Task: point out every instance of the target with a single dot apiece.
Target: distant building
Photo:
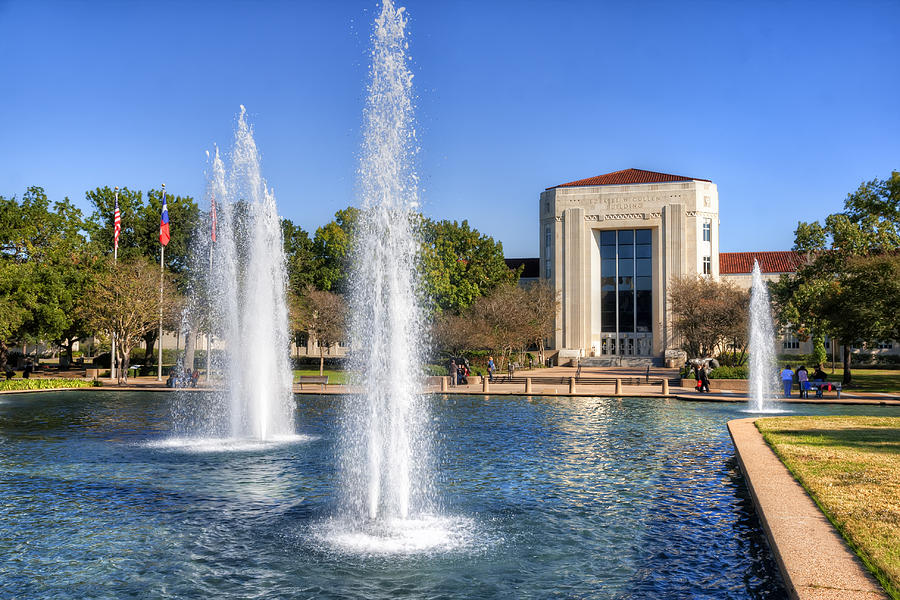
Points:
(609, 245)
(531, 269)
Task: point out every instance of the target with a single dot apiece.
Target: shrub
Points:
(720, 373)
(741, 372)
(43, 384)
(436, 370)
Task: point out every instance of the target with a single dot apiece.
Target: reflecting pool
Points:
(541, 498)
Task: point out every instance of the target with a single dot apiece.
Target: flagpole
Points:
(112, 353)
(162, 254)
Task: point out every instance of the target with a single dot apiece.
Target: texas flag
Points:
(164, 223)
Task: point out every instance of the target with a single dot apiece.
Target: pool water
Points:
(539, 498)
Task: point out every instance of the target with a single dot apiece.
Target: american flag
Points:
(117, 225)
(213, 217)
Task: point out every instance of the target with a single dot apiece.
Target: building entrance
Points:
(626, 292)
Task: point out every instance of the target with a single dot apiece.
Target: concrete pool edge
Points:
(814, 560)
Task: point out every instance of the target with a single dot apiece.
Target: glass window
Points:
(626, 311)
(547, 269)
(608, 267)
(548, 238)
(707, 265)
(707, 230)
(608, 320)
(626, 284)
(642, 267)
(644, 311)
(790, 342)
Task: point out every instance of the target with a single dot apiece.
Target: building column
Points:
(673, 247)
(574, 288)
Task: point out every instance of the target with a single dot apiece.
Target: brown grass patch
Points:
(851, 468)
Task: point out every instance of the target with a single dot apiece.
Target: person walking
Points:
(704, 378)
(787, 378)
(490, 369)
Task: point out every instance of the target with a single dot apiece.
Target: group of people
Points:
(701, 374)
(183, 379)
(459, 372)
(803, 378)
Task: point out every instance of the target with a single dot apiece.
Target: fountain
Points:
(385, 441)
(244, 284)
(763, 366)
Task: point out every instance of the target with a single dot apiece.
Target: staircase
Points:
(623, 361)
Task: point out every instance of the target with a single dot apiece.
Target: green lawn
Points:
(339, 377)
(872, 380)
(851, 468)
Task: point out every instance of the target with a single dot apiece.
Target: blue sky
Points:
(786, 106)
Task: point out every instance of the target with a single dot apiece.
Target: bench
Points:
(314, 379)
(816, 386)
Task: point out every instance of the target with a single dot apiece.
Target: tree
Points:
(844, 286)
(541, 307)
(298, 252)
(459, 265)
(124, 300)
(139, 236)
(332, 248)
(323, 315)
(47, 264)
(709, 316)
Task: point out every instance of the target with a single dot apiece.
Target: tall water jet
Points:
(386, 443)
(763, 364)
(258, 373)
(245, 280)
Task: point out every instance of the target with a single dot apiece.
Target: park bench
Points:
(314, 379)
(815, 386)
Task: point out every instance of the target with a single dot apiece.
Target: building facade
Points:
(609, 245)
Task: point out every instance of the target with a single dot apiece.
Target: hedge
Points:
(45, 384)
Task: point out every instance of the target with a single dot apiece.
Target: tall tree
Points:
(140, 218)
(844, 287)
(298, 251)
(709, 316)
(459, 265)
(321, 314)
(124, 301)
(332, 247)
(45, 257)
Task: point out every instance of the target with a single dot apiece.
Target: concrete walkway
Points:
(643, 390)
(814, 560)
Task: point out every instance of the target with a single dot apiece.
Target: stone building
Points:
(610, 244)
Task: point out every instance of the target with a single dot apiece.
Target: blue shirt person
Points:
(787, 378)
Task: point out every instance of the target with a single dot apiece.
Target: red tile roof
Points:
(625, 177)
(733, 263)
